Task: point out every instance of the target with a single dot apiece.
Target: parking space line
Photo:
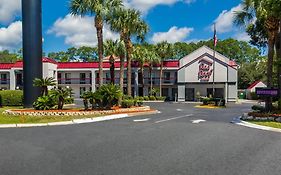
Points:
(161, 121)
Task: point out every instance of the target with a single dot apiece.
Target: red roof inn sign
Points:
(267, 92)
(205, 70)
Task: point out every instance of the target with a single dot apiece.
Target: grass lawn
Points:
(267, 123)
(9, 119)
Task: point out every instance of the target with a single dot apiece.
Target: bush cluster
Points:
(11, 98)
(215, 101)
(153, 98)
(258, 108)
(129, 101)
(106, 96)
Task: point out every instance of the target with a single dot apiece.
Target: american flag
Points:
(215, 36)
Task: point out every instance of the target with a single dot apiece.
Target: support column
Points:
(181, 93)
(12, 80)
(32, 48)
(93, 72)
(136, 84)
(226, 92)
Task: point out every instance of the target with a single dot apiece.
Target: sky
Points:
(169, 20)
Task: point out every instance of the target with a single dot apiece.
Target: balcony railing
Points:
(4, 81)
(156, 80)
(75, 81)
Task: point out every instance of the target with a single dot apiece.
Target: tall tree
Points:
(101, 9)
(265, 11)
(128, 23)
(151, 58)
(139, 55)
(7, 57)
(114, 49)
(165, 51)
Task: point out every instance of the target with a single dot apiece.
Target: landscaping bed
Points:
(74, 112)
(30, 119)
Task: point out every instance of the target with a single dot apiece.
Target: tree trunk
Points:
(278, 51)
(129, 47)
(271, 42)
(112, 76)
(161, 76)
(46, 90)
(150, 72)
(99, 27)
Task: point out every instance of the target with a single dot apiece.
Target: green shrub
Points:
(258, 108)
(139, 103)
(146, 98)
(11, 97)
(141, 98)
(127, 103)
(160, 98)
(127, 97)
(135, 101)
(69, 100)
(108, 95)
(206, 101)
(44, 103)
(152, 98)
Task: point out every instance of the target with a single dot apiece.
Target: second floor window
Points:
(67, 78)
(3, 78)
(82, 78)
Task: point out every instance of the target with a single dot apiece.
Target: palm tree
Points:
(110, 50)
(61, 94)
(265, 11)
(139, 55)
(151, 58)
(114, 49)
(44, 83)
(101, 9)
(165, 51)
(128, 23)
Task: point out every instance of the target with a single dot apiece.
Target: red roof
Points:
(232, 63)
(254, 84)
(6, 65)
(49, 60)
(85, 65)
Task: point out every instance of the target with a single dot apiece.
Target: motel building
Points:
(183, 80)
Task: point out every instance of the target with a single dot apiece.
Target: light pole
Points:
(32, 48)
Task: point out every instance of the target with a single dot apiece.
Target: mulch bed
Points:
(77, 112)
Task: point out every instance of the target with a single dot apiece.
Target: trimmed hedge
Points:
(11, 98)
(127, 103)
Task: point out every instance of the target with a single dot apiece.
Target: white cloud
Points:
(174, 34)
(224, 21)
(11, 37)
(146, 5)
(79, 31)
(9, 9)
(242, 36)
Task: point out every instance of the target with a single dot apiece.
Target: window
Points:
(67, 78)
(82, 90)
(167, 77)
(59, 78)
(82, 78)
(4, 79)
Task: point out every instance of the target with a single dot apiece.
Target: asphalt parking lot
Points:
(179, 140)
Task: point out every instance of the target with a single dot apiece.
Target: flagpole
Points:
(214, 56)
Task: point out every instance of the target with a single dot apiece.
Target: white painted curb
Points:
(238, 121)
(73, 122)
